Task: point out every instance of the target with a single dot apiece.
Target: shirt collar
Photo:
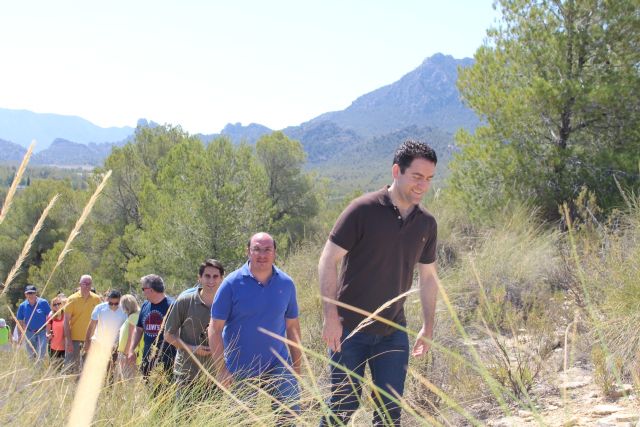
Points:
(246, 271)
(383, 196)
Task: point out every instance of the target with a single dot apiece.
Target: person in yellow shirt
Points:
(77, 316)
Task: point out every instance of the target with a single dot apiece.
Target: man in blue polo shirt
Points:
(32, 316)
(257, 297)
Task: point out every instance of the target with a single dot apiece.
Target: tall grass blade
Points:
(16, 181)
(27, 245)
(76, 229)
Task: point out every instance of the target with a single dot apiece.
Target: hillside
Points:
(22, 126)
(423, 104)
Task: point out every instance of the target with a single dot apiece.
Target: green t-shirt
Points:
(4, 335)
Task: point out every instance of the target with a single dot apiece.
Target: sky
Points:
(203, 64)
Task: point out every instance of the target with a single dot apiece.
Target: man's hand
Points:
(202, 350)
(224, 377)
(131, 357)
(332, 332)
(422, 345)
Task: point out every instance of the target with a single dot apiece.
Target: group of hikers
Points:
(243, 327)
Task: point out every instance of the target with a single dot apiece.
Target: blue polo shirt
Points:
(246, 305)
(40, 310)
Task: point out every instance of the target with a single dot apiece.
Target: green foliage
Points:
(173, 202)
(558, 87)
(292, 193)
(607, 369)
(28, 206)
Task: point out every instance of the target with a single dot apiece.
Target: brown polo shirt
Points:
(382, 252)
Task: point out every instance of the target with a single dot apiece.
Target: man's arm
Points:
(217, 351)
(135, 335)
(328, 277)
(68, 343)
(87, 338)
(293, 334)
(21, 329)
(429, 284)
(176, 341)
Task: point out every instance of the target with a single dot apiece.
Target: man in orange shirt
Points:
(76, 322)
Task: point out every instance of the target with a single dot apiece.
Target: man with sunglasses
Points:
(150, 325)
(106, 319)
(77, 316)
(186, 328)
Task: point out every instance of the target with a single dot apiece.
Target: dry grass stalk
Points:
(76, 229)
(27, 245)
(16, 180)
(365, 381)
(91, 381)
(444, 396)
(375, 315)
(23, 333)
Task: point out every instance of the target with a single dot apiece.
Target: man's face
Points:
(113, 303)
(262, 253)
(211, 278)
(147, 291)
(85, 285)
(414, 183)
(31, 297)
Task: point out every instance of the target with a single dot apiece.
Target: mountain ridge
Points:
(424, 98)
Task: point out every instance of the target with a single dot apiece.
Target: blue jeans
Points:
(387, 357)
(39, 343)
(282, 385)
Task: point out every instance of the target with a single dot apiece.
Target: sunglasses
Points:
(114, 303)
(145, 288)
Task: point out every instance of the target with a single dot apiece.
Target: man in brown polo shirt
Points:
(380, 238)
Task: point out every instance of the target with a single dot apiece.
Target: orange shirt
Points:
(57, 332)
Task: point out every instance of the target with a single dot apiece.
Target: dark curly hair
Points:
(412, 149)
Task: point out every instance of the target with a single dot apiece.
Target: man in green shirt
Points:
(186, 326)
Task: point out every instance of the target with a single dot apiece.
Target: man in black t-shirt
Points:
(380, 238)
(150, 326)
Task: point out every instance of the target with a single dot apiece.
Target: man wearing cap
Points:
(32, 316)
(5, 332)
(106, 319)
(150, 325)
(253, 304)
(77, 316)
(187, 325)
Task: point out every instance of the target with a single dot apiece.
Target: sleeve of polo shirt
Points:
(68, 309)
(47, 307)
(221, 307)
(176, 316)
(140, 319)
(292, 308)
(348, 228)
(429, 251)
(20, 313)
(94, 312)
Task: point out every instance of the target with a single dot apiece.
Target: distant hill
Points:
(22, 126)
(427, 96)
(67, 153)
(423, 104)
(10, 152)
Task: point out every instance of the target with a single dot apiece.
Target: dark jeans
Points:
(283, 387)
(387, 357)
